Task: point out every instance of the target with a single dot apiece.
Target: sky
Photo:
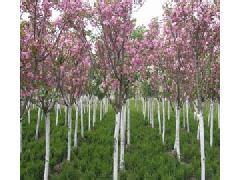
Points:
(150, 9)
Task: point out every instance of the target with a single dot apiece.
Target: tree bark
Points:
(128, 122)
(89, 114)
(122, 135)
(69, 132)
(38, 122)
(57, 108)
(163, 131)
(82, 126)
(115, 153)
(187, 115)
(76, 128)
(159, 118)
(177, 137)
(47, 142)
(211, 123)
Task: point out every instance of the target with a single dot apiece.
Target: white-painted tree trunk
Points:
(177, 136)
(184, 116)
(211, 123)
(202, 150)
(122, 137)
(128, 122)
(38, 122)
(152, 111)
(101, 109)
(29, 115)
(168, 110)
(65, 112)
(89, 114)
(187, 115)
(47, 142)
(163, 131)
(57, 108)
(198, 130)
(115, 153)
(82, 127)
(94, 111)
(69, 132)
(76, 128)
(148, 111)
(159, 117)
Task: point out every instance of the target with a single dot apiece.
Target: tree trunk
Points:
(115, 153)
(187, 106)
(184, 116)
(128, 122)
(201, 122)
(47, 142)
(76, 128)
(122, 135)
(29, 115)
(94, 111)
(89, 114)
(57, 108)
(177, 137)
(159, 118)
(211, 123)
(168, 110)
(69, 132)
(82, 127)
(152, 112)
(163, 131)
(101, 109)
(65, 110)
(38, 122)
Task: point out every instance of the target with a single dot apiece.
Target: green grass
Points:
(146, 157)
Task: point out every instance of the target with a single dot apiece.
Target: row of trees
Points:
(97, 51)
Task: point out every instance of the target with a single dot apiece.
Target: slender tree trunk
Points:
(184, 116)
(76, 128)
(101, 109)
(47, 142)
(198, 130)
(168, 110)
(115, 153)
(201, 122)
(148, 106)
(94, 111)
(128, 122)
(163, 131)
(38, 122)
(69, 132)
(57, 108)
(211, 124)
(89, 114)
(187, 115)
(65, 110)
(29, 115)
(177, 137)
(159, 118)
(122, 139)
(209, 114)
(152, 112)
(82, 127)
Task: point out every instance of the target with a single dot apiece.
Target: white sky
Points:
(150, 9)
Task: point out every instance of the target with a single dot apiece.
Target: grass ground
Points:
(146, 158)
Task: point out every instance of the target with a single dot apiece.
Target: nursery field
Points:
(146, 157)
